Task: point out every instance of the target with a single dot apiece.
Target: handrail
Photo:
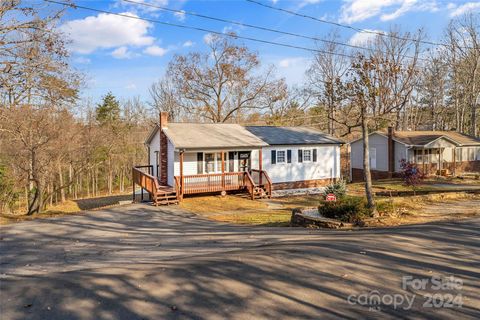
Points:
(178, 188)
(145, 180)
(262, 174)
(252, 185)
(149, 166)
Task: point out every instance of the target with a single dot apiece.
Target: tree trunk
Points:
(366, 168)
(70, 182)
(60, 181)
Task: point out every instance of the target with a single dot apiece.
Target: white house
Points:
(199, 157)
(433, 152)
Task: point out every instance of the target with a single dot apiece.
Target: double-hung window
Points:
(281, 157)
(307, 155)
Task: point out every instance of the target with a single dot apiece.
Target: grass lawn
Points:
(277, 211)
(241, 210)
(431, 184)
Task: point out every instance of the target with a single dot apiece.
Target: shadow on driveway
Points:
(141, 262)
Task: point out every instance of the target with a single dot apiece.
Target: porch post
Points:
(454, 161)
(440, 160)
(223, 170)
(423, 160)
(260, 165)
(181, 174)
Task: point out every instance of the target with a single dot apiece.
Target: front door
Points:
(244, 160)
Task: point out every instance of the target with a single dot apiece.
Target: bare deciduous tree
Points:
(224, 83)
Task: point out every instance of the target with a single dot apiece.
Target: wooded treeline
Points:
(55, 146)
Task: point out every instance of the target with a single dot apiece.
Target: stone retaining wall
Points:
(301, 219)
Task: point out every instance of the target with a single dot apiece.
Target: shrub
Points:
(346, 209)
(339, 189)
(411, 175)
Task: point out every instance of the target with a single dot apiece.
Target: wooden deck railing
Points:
(249, 184)
(201, 183)
(144, 180)
(204, 183)
(178, 188)
(261, 178)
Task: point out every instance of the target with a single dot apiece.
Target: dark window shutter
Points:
(314, 156)
(274, 156)
(200, 163)
(289, 156)
(300, 155)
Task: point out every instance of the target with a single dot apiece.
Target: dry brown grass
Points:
(68, 207)
(277, 211)
(431, 184)
(238, 210)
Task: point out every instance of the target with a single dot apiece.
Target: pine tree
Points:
(109, 110)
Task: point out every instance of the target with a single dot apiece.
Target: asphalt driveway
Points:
(142, 262)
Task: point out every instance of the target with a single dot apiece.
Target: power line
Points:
(200, 29)
(245, 24)
(346, 26)
(256, 27)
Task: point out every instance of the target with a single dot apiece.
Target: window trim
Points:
(284, 156)
(310, 155)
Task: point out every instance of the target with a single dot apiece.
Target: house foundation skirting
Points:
(302, 184)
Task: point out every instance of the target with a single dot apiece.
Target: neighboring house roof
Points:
(423, 138)
(420, 138)
(292, 135)
(152, 134)
(210, 135)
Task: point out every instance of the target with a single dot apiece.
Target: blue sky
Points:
(125, 55)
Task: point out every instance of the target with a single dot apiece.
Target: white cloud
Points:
(362, 38)
(359, 10)
(188, 43)
(155, 51)
(121, 53)
(82, 60)
(131, 86)
(291, 62)
(180, 15)
(464, 8)
(291, 68)
(107, 31)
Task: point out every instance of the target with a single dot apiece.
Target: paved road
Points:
(141, 262)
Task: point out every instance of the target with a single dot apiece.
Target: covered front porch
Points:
(441, 161)
(216, 170)
(205, 171)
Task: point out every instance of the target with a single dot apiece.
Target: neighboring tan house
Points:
(201, 158)
(433, 152)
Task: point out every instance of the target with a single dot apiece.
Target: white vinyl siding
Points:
(377, 141)
(327, 165)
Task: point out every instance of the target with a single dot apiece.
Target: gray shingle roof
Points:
(425, 137)
(292, 135)
(211, 135)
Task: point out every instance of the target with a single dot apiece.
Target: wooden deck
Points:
(257, 184)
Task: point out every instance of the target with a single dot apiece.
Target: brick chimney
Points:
(163, 169)
(391, 152)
